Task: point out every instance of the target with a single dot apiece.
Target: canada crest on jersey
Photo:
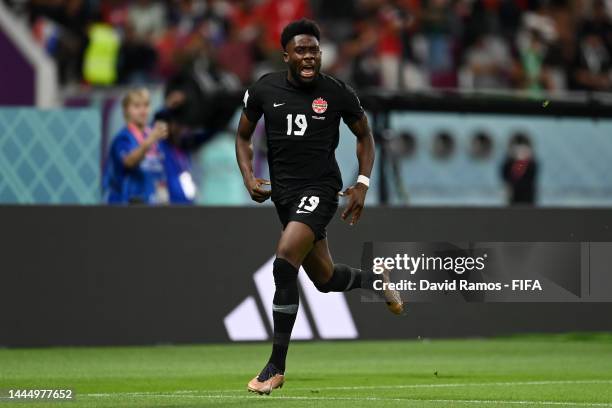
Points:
(319, 105)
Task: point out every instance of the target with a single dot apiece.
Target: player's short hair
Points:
(303, 26)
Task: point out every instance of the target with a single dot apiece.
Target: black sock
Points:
(284, 310)
(343, 279)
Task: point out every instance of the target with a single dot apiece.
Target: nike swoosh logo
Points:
(276, 105)
(302, 212)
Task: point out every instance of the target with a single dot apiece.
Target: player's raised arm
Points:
(365, 155)
(244, 156)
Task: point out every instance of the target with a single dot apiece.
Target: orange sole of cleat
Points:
(258, 392)
(262, 392)
(267, 392)
(396, 308)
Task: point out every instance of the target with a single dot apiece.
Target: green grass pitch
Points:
(526, 371)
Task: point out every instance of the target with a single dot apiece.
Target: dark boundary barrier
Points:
(382, 101)
(110, 276)
(586, 106)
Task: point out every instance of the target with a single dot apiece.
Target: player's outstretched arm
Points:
(365, 155)
(244, 156)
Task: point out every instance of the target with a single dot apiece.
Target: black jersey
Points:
(302, 129)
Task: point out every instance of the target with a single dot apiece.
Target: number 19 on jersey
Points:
(300, 123)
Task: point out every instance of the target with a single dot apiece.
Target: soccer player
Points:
(302, 108)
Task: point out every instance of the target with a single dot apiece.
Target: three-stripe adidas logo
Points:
(328, 311)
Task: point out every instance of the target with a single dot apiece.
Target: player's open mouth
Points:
(307, 72)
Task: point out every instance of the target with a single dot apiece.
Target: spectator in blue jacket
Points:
(134, 172)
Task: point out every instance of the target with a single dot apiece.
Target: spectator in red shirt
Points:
(274, 15)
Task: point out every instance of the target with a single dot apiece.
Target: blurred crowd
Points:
(532, 45)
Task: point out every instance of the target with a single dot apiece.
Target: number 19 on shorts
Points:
(300, 123)
(307, 204)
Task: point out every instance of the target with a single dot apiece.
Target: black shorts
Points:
(314, 208)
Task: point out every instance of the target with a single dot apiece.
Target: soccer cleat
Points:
(269, 379)
(392, 297)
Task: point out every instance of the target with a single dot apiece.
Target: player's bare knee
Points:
(289, 255)
(283, 251)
